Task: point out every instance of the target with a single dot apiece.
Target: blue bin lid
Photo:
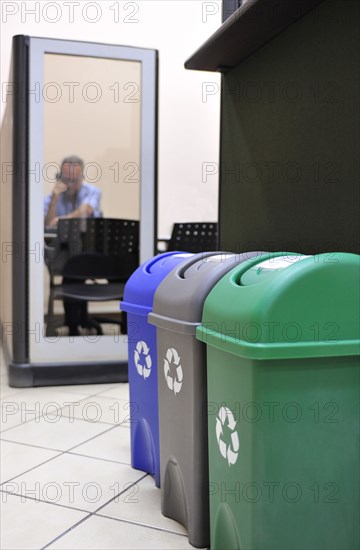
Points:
(141, 286)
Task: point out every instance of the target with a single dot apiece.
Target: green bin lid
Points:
(289, 306)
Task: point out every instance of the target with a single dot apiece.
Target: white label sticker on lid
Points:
(281, 262)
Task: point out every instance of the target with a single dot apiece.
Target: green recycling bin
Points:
(282, 341)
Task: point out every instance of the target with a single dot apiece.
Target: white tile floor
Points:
(66, 479)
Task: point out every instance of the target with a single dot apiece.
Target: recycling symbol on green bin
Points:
(226, 418)
(142, 358)
(173, 358)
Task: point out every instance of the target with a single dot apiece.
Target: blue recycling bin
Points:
(143, 377)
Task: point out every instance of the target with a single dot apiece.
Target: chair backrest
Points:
(117, 239)
(194, 237)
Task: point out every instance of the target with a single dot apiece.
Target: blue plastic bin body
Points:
(143, 376)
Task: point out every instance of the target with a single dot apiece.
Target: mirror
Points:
(98, 102)
(92, 109)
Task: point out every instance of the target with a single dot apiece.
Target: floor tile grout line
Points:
(61, 452)
(66, 531)
(122, 424)
(30, 469)
(98, 394)
(57, 456)
(37, 418)
(90, 439)
(95, 512)
(54, 388)
(146, 525)
(100, 458)
(32, 445)
(119, 520)
(142, 525)
(60, 408)
(27, 444)
(121, 492)
(81, 419)
(24, 497)
(83, 398)
(126, 401)
(20, 495)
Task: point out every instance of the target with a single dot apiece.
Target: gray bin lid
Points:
(180, 297)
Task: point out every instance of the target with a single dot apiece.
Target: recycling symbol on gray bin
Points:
(142, 358)
(173, 358)
(230, 452)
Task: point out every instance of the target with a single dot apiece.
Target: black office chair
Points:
(95, 257)
(194, 237)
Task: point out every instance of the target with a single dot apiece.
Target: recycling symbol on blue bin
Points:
(226, 418)
(173, 358)
(142, 359)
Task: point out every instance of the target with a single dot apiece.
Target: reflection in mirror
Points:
(92, 120)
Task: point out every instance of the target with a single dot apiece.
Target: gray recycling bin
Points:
(177, 311)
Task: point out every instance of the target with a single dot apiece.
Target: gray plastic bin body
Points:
(177, 311)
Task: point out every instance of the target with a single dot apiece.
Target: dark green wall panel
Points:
(290, 139)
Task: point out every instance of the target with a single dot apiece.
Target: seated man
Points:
(71, 197)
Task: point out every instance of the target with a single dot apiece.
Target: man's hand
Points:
(59, 187)
(51, 219)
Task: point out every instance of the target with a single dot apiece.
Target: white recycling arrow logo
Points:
(173, 358)
(142, 359)
(229, 452)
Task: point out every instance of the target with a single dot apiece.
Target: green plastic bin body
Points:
(283, 405)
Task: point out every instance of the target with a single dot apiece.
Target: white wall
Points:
(188, 122)
(117, 138)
